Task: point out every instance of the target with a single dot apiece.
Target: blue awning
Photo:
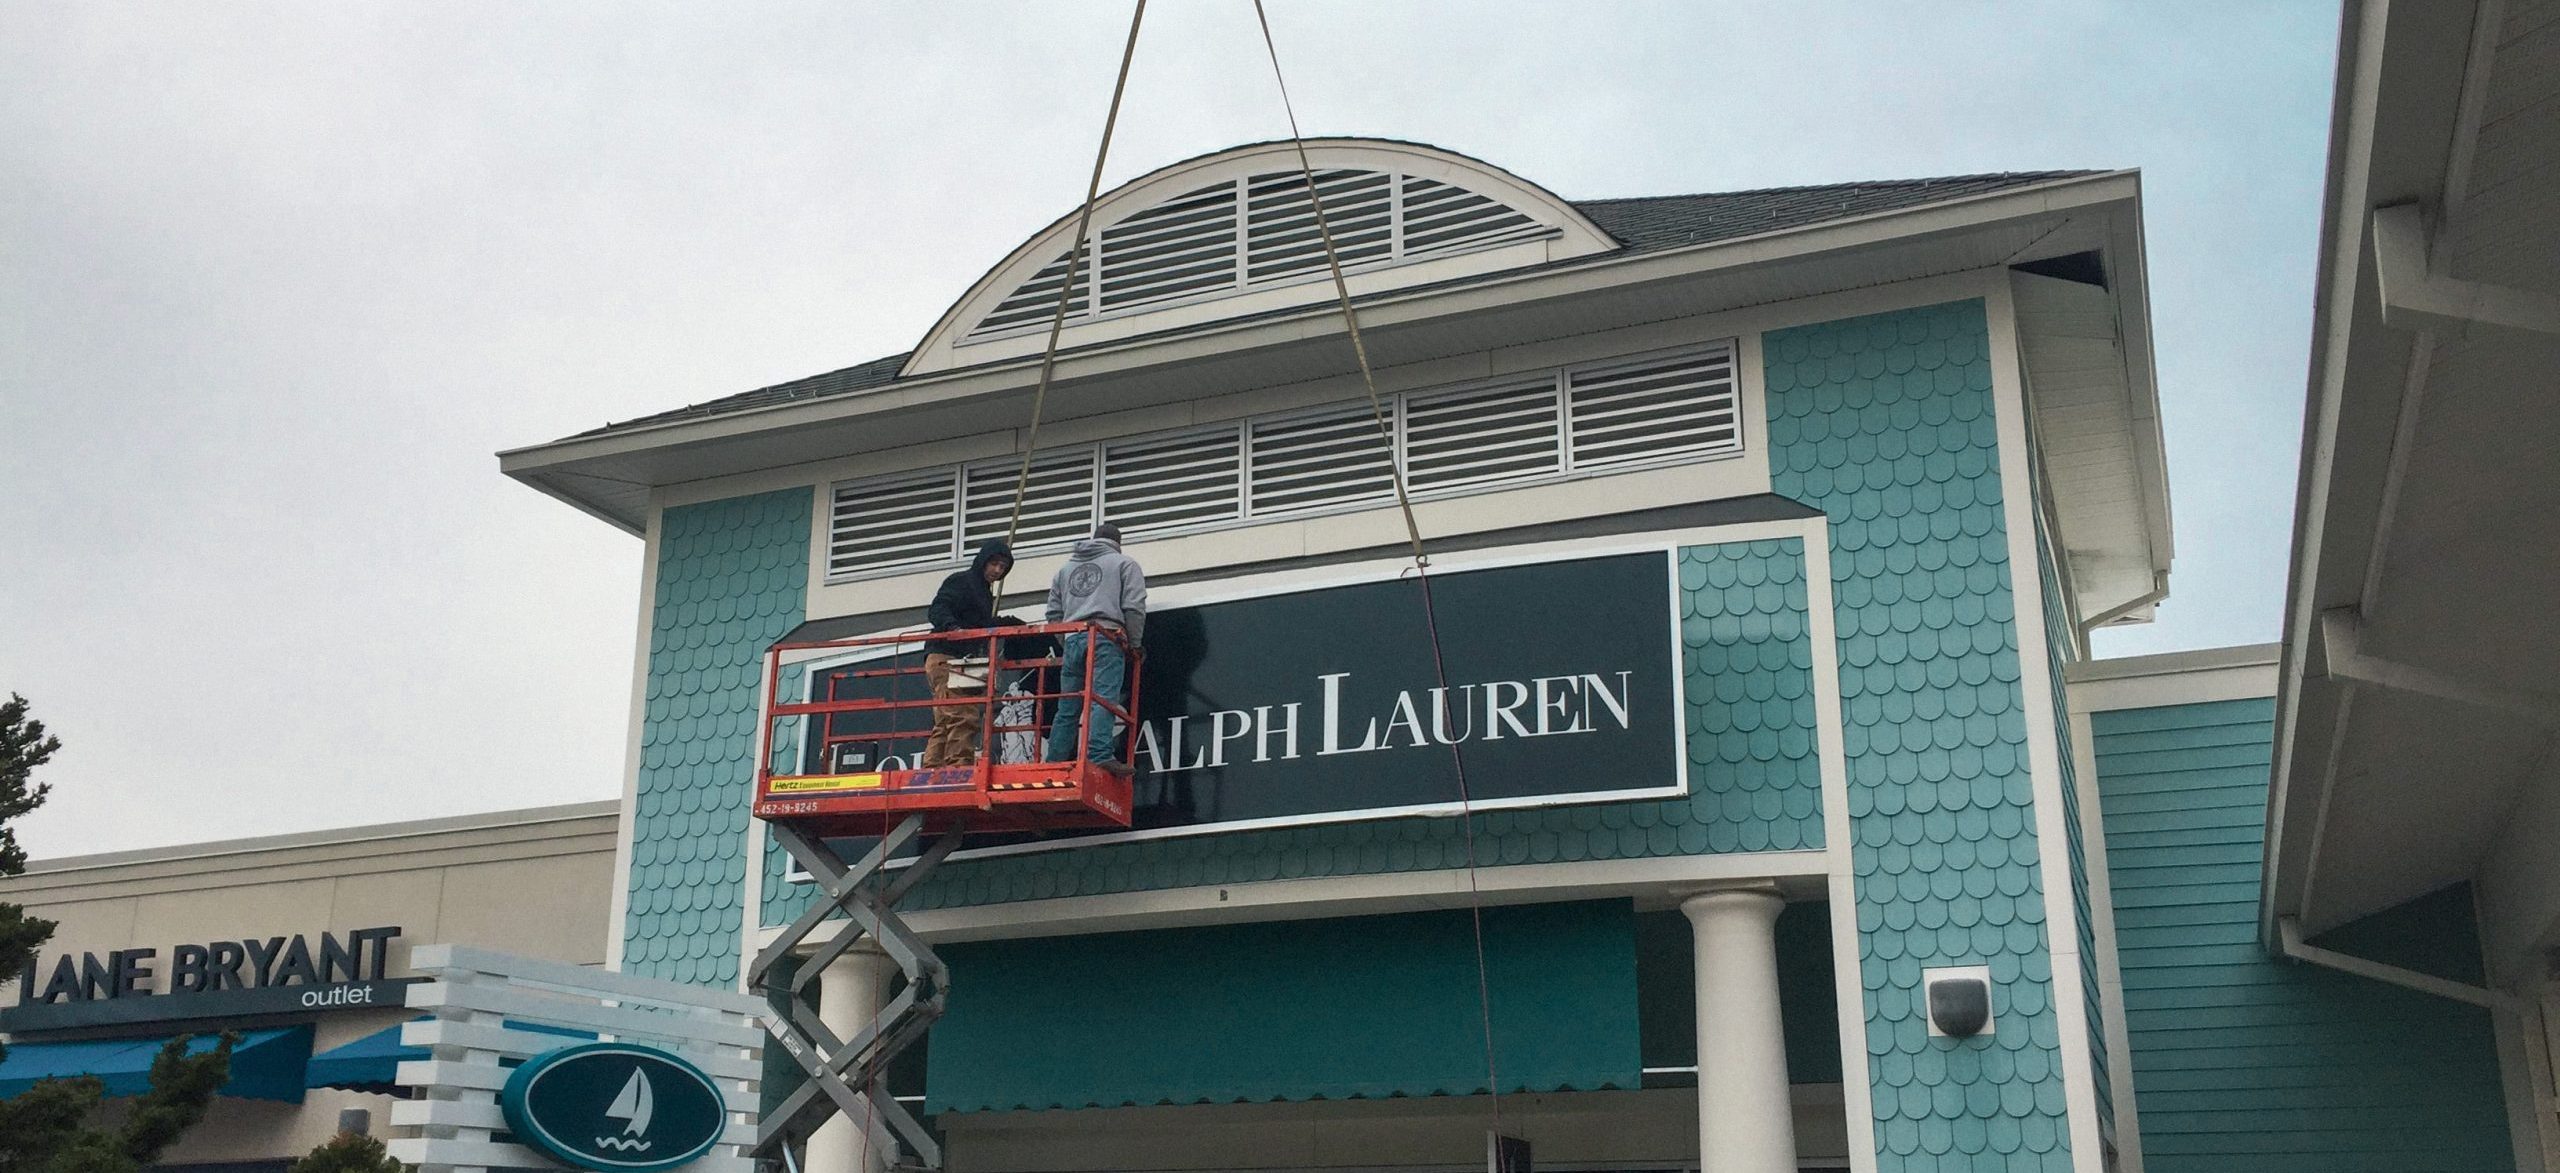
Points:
(372, 1063)
(266, 1065)
(369, 1064)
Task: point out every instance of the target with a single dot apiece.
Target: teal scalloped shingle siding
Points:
(731, 578)
(1754, 783)
(1885, 423)
(2246, 1063)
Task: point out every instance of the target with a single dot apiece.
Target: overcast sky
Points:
(277, 280)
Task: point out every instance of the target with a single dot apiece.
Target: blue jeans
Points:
(1110, 674)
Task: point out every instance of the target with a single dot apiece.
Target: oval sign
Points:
(614, 1106)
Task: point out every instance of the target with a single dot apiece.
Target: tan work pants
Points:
(954, 741)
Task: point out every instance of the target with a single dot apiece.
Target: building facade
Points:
(1833, 432)
(1771, 528)
(1745, 724)
(298, 942)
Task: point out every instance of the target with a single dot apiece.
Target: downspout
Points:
(2159, 590)
(2289, 932)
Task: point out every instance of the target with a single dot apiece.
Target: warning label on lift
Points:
(808, 783)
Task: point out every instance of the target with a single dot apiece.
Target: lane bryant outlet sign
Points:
(1323, 704)
(215, 979)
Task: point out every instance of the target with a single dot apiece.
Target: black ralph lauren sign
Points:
(1558, 681)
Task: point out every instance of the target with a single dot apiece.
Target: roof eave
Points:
(541, 465)
(2388, 57)
(2151, 452)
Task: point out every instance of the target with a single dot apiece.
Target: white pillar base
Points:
(850, 992)
(1746, 1118)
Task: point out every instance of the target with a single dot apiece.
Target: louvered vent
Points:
(1174, 481)
(1682, 404)
(1057, 505)
(1332, 457)
(1487, 434)
(1183, 246)
(1439, 218)
(1037, 299)
(1538, 427)
(903, 521)
(1282, 238)
(1241, 233)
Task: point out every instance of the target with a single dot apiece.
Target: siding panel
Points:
(1886, 424)
(2240, 1060)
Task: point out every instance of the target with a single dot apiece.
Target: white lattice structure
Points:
(479, 999)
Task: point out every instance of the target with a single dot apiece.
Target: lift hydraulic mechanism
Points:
(839, 786)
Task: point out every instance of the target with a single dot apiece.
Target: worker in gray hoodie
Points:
(1104, 586)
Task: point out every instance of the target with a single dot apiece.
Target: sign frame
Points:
(531, 1130)
(1667, 544)
(266, 1001)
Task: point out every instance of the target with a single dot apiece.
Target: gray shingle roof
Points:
(1642, 224)
(1648, 223)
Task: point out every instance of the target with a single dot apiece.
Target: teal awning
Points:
(369, 1064)
(372, 1063)
(1295, 1010)
(266, 1065)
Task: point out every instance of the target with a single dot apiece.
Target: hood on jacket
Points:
(993, 549)
(1092, 548)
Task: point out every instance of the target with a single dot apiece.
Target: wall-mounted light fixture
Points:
(1959, 1000)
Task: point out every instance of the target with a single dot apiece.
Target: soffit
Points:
(2098, 435)
(2429, 496)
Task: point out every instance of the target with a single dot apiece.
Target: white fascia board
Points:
(2174, 678)
(2070, 195)
(2132, 278)
(2334, 291)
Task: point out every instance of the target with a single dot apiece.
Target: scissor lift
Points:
(847, 780)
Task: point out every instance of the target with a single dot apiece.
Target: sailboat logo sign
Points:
(633, 1108)
(614, 1107)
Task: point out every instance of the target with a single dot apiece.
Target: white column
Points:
(850, 991)
(1746, 1123)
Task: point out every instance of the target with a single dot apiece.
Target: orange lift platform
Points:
(840, 773)
(869, 699)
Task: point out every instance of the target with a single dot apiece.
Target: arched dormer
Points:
(1233, 233)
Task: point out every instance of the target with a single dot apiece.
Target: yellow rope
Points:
(1342, 291)
(1067, 286)
(1421, 561)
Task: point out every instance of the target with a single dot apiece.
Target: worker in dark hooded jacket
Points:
(1103, 586)
(965, 602)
